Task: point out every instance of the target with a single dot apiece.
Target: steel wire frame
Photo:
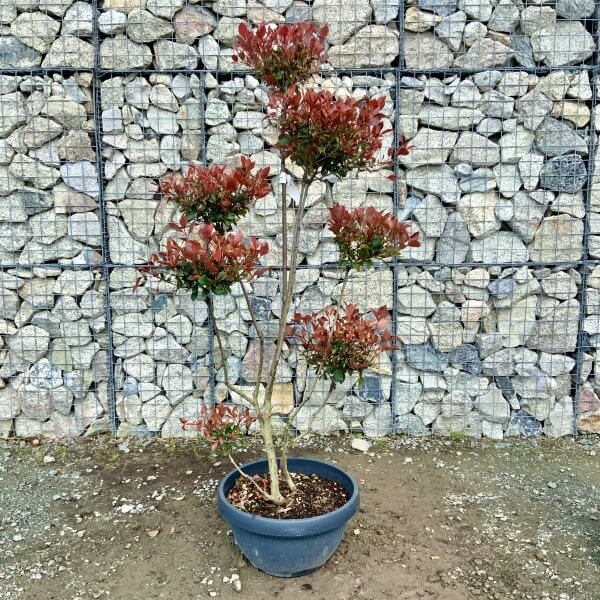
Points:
(583, 265)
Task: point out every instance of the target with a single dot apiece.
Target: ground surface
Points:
(439, 520)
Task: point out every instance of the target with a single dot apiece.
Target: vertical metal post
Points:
(395, 263)
(584, 269)
(212, 373)
(106, 261)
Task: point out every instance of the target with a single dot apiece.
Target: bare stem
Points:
(284, 227)
(287, 296)
(344, 284)
(285, 471)
(262, 492)
(311, 419)
(261, 344)
(231, 386)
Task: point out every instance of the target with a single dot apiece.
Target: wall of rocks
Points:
(498, 310)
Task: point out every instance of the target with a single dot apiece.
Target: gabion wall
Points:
(498, 310)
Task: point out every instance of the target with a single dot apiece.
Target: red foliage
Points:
(222, 424)
(340, 343)
(328, 135)
(282, 55)
(205, 260)
(364, 234)
(403, 148)
(216, 195)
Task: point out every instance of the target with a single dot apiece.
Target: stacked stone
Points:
(488, 308)
(589, 401)
(174, 34)
(53, 365)
(47, 33)
(476, 34)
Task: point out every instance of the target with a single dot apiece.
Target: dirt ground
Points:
(439, 520)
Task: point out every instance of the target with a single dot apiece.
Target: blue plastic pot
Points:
(289, 547)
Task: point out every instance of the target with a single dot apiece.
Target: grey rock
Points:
(430, 146)
(505, 17)
(172, 55)
(449, 117)
(143, 27)
(69, 51)
(555, 138)
(439, 7)
(565, 43)
(466, 357)
(575, 9)
(112, 22)
(559, 238)
(14, 54)
(560, 420)
(81, 176)
(438, 180)
(411, 424)
(431, 216)
(384, 11)
(493, 406)
(30, 343)
(78, 20)
(532, 108)
(379, 423)
(522, 424)
(556, 332)
(424, 357)
(453, 246)
(485, 52)
(35, 29)
(499, 248)
(450, 29)
(331, 11)
(371, 46)
(425, 51)
(325, 421)
(566, 173)
(123, 53)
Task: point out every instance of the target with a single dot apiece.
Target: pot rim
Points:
(290, 527)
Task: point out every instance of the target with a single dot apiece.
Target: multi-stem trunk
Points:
(287, 295)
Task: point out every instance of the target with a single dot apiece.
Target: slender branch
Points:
(288, 292)
(311, 419)
(263, 493)
(284, 227)
(306, 396)
(287, 477)
(261, 344)
(231, 386)
(344, 284)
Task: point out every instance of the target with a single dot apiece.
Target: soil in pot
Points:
(314, 496)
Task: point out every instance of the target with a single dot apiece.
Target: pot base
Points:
(289, 547)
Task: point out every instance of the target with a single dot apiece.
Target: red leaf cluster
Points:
(221, 425)
(282, 55)
(205, 260)
(216, 195)
(339, 343)
(327, 135)
(364, 234)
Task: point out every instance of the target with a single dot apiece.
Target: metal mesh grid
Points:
(497, 310)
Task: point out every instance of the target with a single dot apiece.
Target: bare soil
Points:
(439, 520)
(312, 497)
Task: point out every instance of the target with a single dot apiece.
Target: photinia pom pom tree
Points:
(326, 138)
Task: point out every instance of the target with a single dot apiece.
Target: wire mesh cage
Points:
(496, 311)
